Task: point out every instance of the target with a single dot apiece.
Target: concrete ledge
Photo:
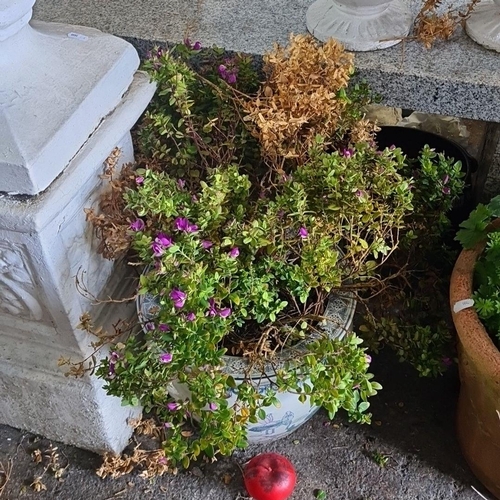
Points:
(457, 77)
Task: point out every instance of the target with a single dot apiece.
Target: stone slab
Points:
(457, 77)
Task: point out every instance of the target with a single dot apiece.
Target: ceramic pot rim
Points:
(341, 305)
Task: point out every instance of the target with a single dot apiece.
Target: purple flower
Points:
(191, 316)
(139, 180)
(212, 309)
(192, 46)
(179, 298)
(446, 190)
(228, 71)
(163, 327)
(149, 326)
(181, 183)
(194, 198)
(137, 225)
(446, 178)
(303, 233)
(225, 312)
(347, 152)
(222, 71)
(166, 357)
(206, 244)
(359, 193)
(164, 240)
(111, 370)
(183, 224)
(368, 358)
(162, 460)
(158, 249)
(114, 357)
(447, 361)
(167, 425)
(234, 252)
(173, 406)
(212, 406)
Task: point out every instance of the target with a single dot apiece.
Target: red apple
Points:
(269, 477)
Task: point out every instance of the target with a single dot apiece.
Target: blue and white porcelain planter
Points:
(290, 414)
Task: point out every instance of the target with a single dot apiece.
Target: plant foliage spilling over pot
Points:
(252, 204)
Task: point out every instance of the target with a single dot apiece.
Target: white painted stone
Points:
(54, 90)
(60, 118)
(360, 25)
(483, 26)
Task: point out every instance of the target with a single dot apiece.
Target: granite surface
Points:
(457, 77)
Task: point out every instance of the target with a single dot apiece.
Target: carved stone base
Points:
(45, 242)
(360, 25)
(483, 26)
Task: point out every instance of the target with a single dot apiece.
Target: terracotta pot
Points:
(478, 417)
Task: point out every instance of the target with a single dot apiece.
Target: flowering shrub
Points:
(245, 217)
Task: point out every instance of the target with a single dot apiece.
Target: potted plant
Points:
(474, 300)
(255, 214)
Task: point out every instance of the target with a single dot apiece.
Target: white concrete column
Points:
(68, 96)
(483, 25)
(360, 24)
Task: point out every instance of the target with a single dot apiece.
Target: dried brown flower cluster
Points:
(153, 463)
(111, 224)
(299, 99)
(431, 26)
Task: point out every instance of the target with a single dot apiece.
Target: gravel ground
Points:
(413, 427)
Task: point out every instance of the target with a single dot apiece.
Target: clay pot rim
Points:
(470, 329)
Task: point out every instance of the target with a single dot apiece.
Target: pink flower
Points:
(368, 358)
(212, 406)
(206, 244)
(446, 190)
(191, 316)
(179, 297)
(167, 425)
(164, 240)
(166, 357)
(225, 312)
(234, 252)
(139, 180)
(347, 152)
(212, 309)
(173, 406)
(158, 249)
(183, 224)
(137, 225)
(303, 233)
(181, 183)
(149, 326)
(446, 178)
(359, 193)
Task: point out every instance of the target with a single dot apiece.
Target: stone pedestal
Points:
(360, 25)
(68, 96)
(483, 26)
